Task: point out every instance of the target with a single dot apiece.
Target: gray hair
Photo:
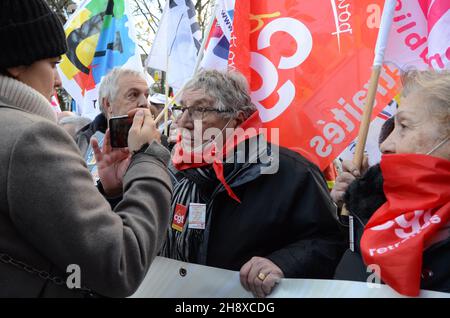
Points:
(229, 90)
(108, 86)
(433, 87)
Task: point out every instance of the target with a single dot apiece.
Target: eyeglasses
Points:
(198, 113)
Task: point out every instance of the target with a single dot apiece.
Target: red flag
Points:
(307, 63)
(417, 188)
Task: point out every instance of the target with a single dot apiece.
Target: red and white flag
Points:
(417, 189)
(420, 35)
(218, 42)
(308, 64)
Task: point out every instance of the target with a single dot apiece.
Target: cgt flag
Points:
(100, 36)
(308, 64)
(415, 215)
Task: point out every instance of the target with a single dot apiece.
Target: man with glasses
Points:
(229, 208)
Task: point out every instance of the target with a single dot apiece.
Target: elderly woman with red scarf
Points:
(401, 207)
(241, 203)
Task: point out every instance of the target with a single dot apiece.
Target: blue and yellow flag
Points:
(100, 36)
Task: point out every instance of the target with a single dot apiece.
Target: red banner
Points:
(308, 64)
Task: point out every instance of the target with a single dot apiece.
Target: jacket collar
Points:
(19, 95)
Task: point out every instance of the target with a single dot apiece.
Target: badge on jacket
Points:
(179, 217)
(197, 216)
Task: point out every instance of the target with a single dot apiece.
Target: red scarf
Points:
(417, 188)
(183, 159)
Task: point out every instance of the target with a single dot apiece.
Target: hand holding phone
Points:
(143, 131)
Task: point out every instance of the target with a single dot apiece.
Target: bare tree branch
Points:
(160, 6)
(59, 7)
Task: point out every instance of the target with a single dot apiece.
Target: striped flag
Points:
(218, 45)
(177, 42)
(100, 36)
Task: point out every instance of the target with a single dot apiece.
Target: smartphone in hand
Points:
(119, 127)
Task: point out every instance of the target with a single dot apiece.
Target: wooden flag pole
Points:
(166, 92)
(382, 39)
(166, 106)
(367, 114)
(358, 157)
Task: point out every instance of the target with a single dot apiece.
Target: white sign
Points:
(168, 278)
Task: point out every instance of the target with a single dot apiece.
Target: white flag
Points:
(177, 42)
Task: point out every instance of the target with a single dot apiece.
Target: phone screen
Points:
(118, 128)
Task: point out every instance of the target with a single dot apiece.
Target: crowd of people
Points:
(201, 195)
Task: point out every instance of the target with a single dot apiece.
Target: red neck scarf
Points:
(183, 159)
(417, 188)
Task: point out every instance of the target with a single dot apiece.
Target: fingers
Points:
(349, 166)
(149, 123)
(138, 120)
(344, 180)
(258, 288)
(243, 274)
(341, 185)
(142, 131)
(269, 283)
(253, 282)
(135, 139)
(97, 152)
(107, 142)
(365, 164)
(260, 275)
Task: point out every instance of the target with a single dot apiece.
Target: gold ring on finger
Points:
(262, 276)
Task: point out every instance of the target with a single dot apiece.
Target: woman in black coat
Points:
(401, 207)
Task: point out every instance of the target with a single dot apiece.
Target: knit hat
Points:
(29, 31)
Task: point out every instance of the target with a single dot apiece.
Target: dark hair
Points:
(5, 72)
(386, 130)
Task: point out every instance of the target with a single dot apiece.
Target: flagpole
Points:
(205, 38)
(197, 64)
(166, 91)
(166, 109)
(383, 35)
(380, 47)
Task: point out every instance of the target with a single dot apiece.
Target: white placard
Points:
(168, 278)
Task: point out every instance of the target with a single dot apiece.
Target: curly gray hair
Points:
(228, 89)
(434, 87)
